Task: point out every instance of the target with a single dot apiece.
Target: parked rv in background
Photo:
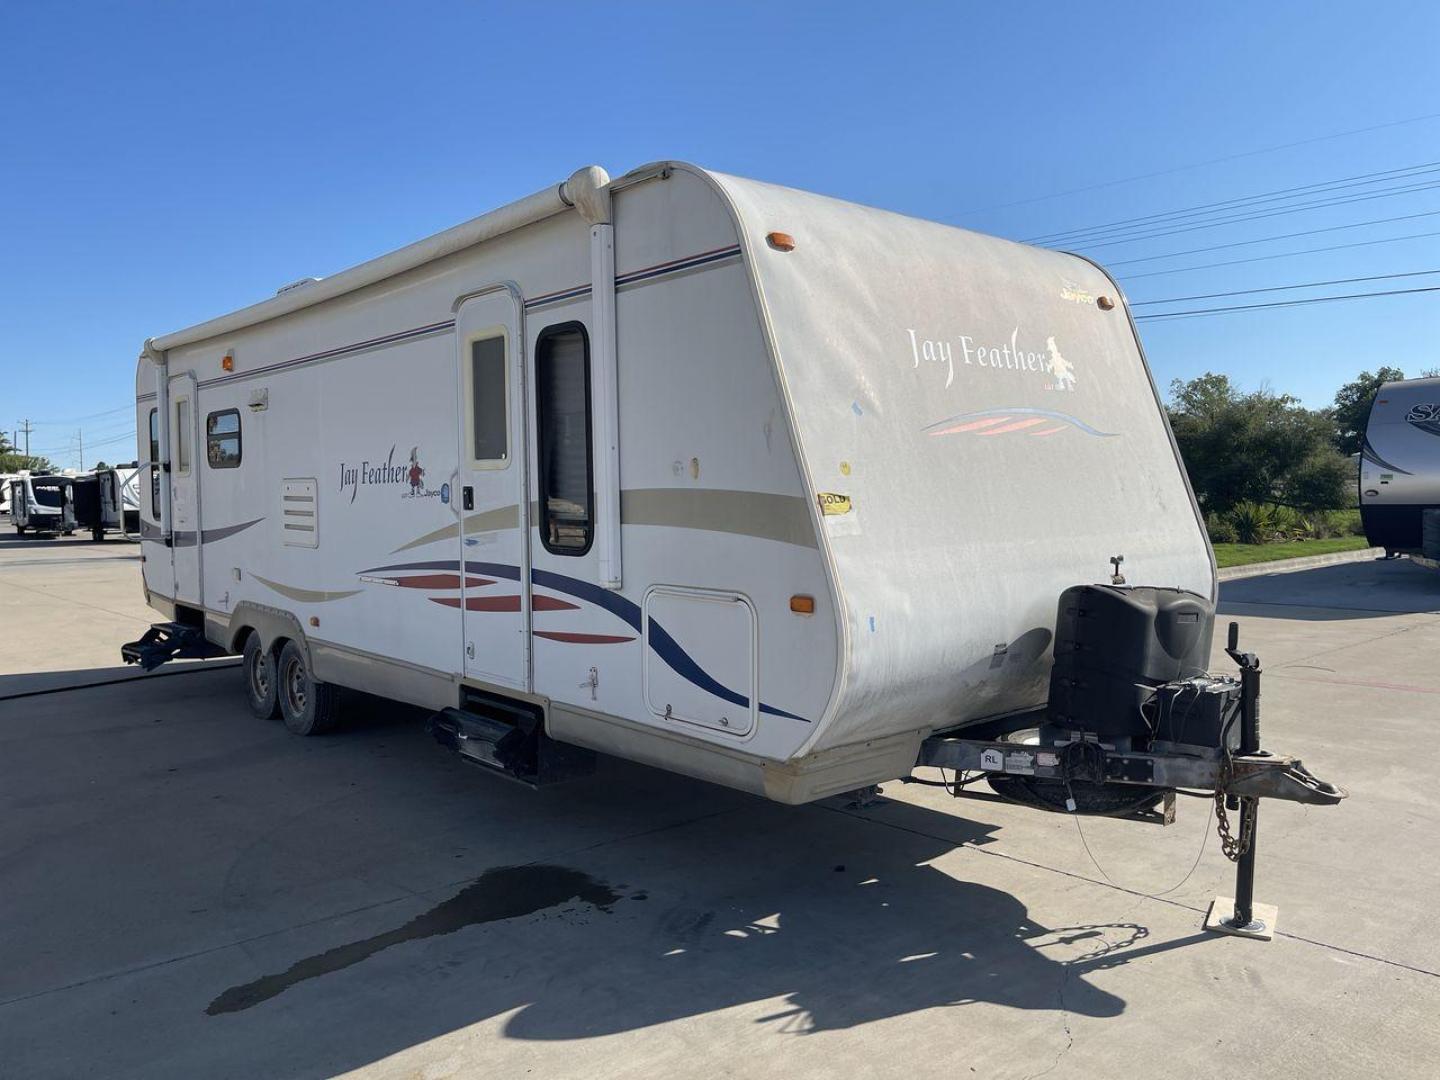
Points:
(42, 505)
(5, 479)
(1400, 469)
(106, 501)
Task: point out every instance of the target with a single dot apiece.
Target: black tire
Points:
(258, 666)
(307, 706)
(97, 534)
(19, 530)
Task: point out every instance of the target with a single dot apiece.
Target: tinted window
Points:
(49, 495)
(562, 392)
(222, 439)
(155, 461)
(490, 436)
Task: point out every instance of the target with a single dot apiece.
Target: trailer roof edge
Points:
(544, 203)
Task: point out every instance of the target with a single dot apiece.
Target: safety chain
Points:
(1232, 847)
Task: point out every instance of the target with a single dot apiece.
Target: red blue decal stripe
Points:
(627, 611)
(1021, 420)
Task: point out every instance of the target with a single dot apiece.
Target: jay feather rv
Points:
(757, 486)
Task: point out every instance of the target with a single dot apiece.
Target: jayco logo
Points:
(1007, 356)
(408, 474)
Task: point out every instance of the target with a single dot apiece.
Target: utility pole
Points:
(80, 435)
(25, 426)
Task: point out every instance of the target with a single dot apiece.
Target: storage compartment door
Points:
(701, 661)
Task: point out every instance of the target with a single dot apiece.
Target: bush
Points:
(1220, 529)
(1286, 524)
(1348, 523)
(1251, 523)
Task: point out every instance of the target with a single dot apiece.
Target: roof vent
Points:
(296, 285)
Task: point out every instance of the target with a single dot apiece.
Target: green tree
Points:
(1351, 410)
(1259, 447)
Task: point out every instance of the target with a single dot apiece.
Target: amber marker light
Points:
(802, 605)
(781, 241)
(1104, 303)
(227, 362)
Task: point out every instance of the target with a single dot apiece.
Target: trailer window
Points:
(155, 464)
(49, 495)
(181, 436)
(489, 404)
(222, 439)
(562, 393)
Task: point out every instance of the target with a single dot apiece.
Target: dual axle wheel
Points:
(285, 685)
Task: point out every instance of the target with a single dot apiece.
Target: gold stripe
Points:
(306, 596)
(504, 517)
(784, 518)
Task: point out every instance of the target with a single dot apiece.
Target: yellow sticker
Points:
(844, 468)
(830, 503)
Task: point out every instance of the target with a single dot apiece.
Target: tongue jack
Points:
(1247, 918)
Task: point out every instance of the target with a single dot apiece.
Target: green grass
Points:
(1244, 554)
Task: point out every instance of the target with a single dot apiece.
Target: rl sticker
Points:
(832, 504)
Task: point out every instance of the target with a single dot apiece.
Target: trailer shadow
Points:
(12, 543)
(797, 920)
(368, 879)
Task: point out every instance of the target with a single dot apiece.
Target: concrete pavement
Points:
(63, 602)
(187, 891)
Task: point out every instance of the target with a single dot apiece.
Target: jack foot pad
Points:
(1262, 926)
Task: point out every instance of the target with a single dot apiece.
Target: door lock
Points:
(467, 497)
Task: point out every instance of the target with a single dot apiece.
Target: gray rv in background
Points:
(1400, 465)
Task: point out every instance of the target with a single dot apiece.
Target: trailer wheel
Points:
(97, 534)
(309, 707)
(258, 663)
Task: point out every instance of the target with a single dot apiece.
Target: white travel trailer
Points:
(42, 504)
(739, 481)
(106, 501)
(1400, 468)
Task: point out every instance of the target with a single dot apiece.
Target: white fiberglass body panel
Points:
(982, 432)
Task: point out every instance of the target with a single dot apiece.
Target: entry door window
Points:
(155, 464)
(182, 436)
(489, 403)
(562, 392)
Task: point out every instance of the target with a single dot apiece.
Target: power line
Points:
(1282, 304)
(1201, 164)
(92, 416)
(1282, 288)
(1280, 255)
(1283, 236)
(1111, 239)
(69, 448)
(1277, 195)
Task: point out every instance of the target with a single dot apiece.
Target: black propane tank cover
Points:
(1115, 644)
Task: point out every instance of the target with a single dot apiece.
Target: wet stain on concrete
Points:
(506, 892)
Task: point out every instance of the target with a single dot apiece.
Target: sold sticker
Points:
(832, 504)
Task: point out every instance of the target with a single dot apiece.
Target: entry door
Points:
(184, 490)
(494, 512)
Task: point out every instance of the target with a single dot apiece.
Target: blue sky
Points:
(163, 163)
